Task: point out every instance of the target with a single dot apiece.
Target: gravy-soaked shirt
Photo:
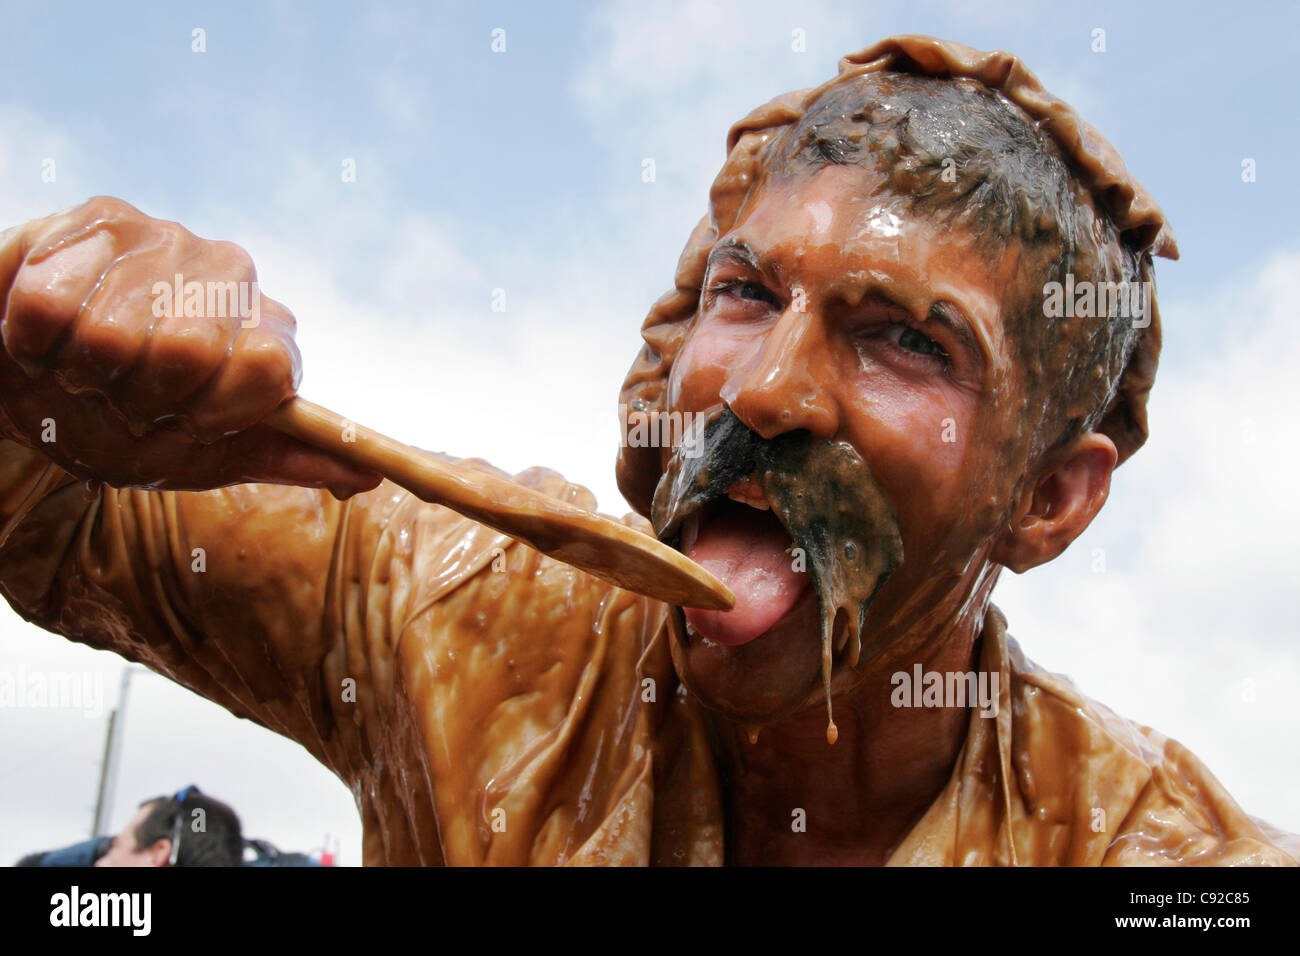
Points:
(488, 705)
(1057, 779)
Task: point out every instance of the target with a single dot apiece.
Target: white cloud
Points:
(27, 141)
(724, 60)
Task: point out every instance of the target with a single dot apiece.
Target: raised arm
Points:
(130, 435)
(454, 678)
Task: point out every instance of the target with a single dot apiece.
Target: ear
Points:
(160, 852)
(1066, 497)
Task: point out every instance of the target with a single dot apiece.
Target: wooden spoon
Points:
(598, 545)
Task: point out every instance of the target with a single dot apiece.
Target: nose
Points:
(787, 388)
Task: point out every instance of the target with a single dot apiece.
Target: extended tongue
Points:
(747, 550)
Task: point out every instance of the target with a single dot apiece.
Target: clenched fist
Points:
(139, 355)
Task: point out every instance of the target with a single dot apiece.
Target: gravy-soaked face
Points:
(830, 309)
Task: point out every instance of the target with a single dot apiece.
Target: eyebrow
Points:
(737, 252)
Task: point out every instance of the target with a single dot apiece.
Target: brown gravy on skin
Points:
(822, 493)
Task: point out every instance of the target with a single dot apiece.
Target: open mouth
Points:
(774, 518)
(740, 539)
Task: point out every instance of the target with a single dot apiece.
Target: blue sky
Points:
(438, 123)
(522, 171)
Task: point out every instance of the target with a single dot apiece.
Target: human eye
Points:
(744, 290)
(902, 344)
(912, 340)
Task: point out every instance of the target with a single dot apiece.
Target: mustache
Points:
(822, 493)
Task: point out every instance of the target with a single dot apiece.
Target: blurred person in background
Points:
(186, 829)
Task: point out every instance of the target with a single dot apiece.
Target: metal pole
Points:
(103, 766)
(112, 758)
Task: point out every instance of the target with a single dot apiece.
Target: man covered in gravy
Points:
(917, 329)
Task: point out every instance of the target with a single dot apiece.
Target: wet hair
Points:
(961, 153)
(219, 843)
